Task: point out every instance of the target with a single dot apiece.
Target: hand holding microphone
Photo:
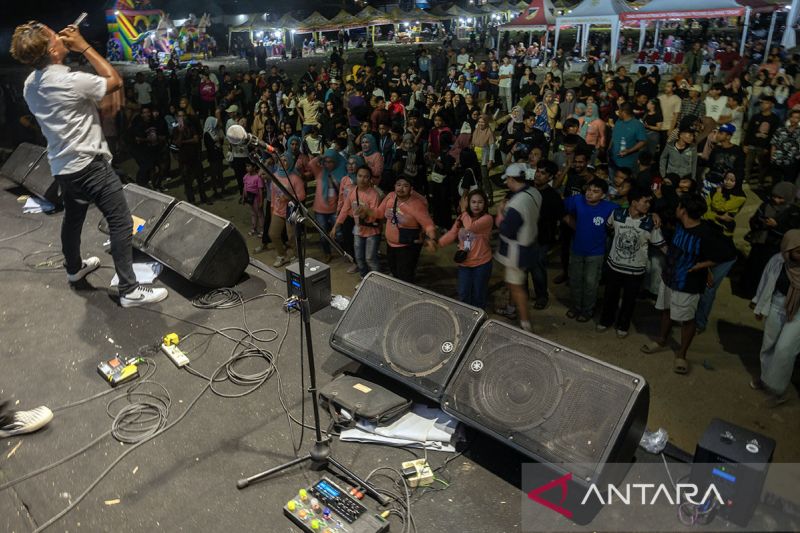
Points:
(72, 38)
(238, 136)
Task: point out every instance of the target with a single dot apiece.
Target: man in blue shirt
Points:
(587, 214)
(628, 137)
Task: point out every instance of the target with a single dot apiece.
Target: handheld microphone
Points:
(238, 136)
(80, 19)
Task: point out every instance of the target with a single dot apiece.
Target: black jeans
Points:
(403, 261)
(97, 183)
(628, 285)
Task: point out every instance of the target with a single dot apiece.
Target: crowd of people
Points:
(633, 182)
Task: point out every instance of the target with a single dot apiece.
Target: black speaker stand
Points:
(320, 454)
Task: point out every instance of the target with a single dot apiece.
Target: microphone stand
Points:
(320, 454)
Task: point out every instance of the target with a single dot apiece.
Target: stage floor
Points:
(54, 335)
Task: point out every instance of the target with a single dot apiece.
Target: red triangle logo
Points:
(535, 495)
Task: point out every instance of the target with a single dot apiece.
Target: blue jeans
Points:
(719, 272)
(584, 278)
(366, 252)
(326, 220)
(306, 129)
(97, 183)
(473, 284)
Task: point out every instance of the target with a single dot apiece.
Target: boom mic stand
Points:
(320, 454)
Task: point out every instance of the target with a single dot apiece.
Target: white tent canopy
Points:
(591, 12)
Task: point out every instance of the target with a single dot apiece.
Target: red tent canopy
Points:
(538, 15)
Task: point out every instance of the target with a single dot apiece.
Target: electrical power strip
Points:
(175, 354)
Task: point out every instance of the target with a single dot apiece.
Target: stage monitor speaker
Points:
(203, 248)
(146, 204)
(408, 333)
(41, 182)
(21, 161)
(548, 402)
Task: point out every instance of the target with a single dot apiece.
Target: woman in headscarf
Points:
(778, 300)
(516, 122)
(372, 156)
(723, 206)
(567, 107)
(297, 160)
(773, 218)
(553, 110)
(542, 122)
(463, 140)
(593, 129)
(410, 162)
(213, 138)
(280, 203)
(328, 170)
(483, 144)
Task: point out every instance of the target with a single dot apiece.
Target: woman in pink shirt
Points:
(280, 203)
(406, 217)
(347, 184)
(472, 230)
(253, 195)
(593, 129)
(373, 157)
(328, 171)
(363, 199)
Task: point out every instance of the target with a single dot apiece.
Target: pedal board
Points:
(327, 508)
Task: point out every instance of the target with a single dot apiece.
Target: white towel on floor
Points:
(145, 272)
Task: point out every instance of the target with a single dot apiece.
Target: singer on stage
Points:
(65, 106)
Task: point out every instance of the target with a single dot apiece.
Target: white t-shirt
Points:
(632, 238)
(143, 91)
(716, 107)
(65, 106)
(506, 70)
(670, 108)
(462, 59)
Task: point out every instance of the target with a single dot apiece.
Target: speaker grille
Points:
(551, 403)
(21, 161)
(202, 247)
(405, 331)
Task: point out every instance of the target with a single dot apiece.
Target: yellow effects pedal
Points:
(117, 371)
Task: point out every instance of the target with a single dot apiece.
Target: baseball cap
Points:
(515, 170)
(232, 109)
(696, 88)
(728, 128)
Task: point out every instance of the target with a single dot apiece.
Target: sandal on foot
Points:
(680, 366)
(583, 318)
(653, 347)
(572, 313)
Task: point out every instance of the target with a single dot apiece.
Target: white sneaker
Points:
(90, 264)
(142, 296)
(279, 261)
(26, 422)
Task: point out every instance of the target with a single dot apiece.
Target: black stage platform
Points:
(53, 336)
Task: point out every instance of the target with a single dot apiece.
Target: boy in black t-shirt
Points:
(694, 249)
